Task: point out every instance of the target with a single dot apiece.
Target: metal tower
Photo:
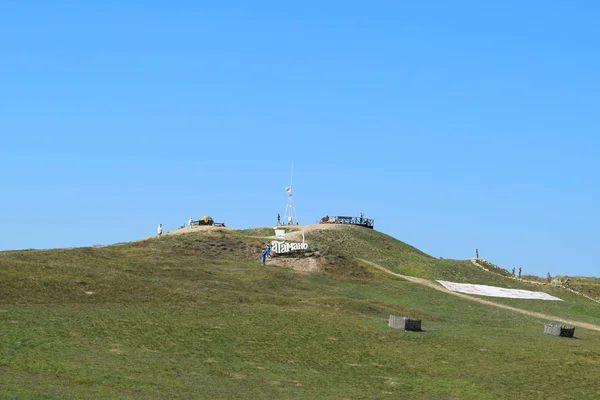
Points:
(289, 216)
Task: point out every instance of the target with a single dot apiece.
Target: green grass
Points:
(586, 285)
(197, 316)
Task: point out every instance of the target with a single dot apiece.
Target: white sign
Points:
(493, 291)
(280, 234)
(283, 247)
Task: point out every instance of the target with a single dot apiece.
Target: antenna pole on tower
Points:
(289, 216)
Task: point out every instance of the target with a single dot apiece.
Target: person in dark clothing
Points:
(520, 269)
(278, 219)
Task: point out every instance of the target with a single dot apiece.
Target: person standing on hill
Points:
(159, 231)
(513, 271)
(268, 250)
(278, 219)
(476, 253)
(263, 257)
(190, 222)
(520, 269)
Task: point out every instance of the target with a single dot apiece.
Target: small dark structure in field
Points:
(404, 323)
(559, 330)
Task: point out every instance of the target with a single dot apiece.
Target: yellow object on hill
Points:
(206, 220)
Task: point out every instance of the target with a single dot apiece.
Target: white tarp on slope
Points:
(493, 291)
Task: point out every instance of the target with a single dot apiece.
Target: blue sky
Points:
(456, 125)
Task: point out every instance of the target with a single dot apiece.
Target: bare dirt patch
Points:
(296, 235)
(196, 228)
(302, 264)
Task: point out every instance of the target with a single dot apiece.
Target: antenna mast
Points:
(289, 216)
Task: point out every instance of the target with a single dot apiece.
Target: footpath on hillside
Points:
(436, 286)
(476, 263)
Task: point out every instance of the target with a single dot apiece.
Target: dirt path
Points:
(475, 263)
(195, 228)
(437, 286)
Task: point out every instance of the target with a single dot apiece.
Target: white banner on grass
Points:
(493, 291)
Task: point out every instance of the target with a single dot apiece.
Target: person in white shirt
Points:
(159, 230)
(290, 220)
(190, 222)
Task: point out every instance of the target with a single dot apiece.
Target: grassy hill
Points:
(197, 316)
(586, 285)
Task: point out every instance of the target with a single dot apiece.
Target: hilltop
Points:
(195, 315)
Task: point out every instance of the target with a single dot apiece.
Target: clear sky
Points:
(454, 124)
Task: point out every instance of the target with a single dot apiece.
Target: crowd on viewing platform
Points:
(361, 221)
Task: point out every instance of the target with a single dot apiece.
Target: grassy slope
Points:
(587, 285)
(402, 258)
(197, 316)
